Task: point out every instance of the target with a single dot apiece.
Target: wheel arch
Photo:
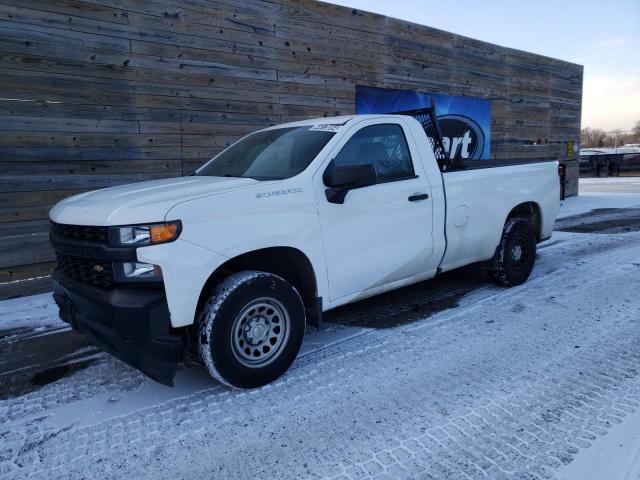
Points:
(287, 262)
(529, 211)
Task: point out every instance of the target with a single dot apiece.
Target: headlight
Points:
(144, 235)
(137, 271)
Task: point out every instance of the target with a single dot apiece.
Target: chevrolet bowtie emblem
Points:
(98, 268)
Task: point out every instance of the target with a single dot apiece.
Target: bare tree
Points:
(635, 132)
(597, 138)
(593, 137)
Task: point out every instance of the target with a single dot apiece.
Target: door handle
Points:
(418, 196)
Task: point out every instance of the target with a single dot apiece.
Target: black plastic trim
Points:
(90, 250)
(131, 323)
(397, 179)
(418, 197)
(314, 313)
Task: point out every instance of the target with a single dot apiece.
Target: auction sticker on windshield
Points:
(327, 127)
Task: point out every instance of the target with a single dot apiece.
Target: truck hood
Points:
(142, 202)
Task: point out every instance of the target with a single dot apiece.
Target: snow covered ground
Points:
(610, 185)
(452, 378)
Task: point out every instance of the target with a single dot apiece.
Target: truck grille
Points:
(80, 232)
(91, 272)
(82, 238)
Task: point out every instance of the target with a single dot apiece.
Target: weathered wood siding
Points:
(103, 92)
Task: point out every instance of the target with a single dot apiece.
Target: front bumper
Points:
(130, 323)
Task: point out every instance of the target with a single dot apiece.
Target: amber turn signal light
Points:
(163, 232)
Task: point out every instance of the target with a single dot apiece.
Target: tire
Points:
(251, 329)
(516, 253)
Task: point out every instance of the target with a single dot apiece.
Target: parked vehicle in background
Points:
(629, 148)
(610, 161)
(230, 264)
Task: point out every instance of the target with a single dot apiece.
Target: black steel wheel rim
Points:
(520, 252)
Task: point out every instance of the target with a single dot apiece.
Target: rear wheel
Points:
(516, 253)
(251, 329)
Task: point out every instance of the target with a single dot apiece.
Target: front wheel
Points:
(251, 329)
(516, 253)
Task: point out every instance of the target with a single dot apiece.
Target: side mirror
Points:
(343, 178)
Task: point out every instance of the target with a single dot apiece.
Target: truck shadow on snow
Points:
(411, 303)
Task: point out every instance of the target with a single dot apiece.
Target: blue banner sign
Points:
(465, 122)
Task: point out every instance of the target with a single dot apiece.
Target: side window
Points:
(384, 146)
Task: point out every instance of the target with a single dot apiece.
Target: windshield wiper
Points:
(259, 178)
(228, 175)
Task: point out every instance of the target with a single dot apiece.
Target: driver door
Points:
(382, 232)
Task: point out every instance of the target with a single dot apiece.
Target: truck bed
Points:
(476, 197)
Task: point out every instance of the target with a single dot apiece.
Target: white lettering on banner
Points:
(451, 145)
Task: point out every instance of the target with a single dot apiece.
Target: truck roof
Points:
(341, 120)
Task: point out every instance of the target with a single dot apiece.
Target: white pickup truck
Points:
(230, 264)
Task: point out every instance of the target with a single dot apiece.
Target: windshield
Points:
(268, 155)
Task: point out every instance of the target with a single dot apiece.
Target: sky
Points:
(604, 37)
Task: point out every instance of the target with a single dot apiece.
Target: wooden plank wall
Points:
(103, 92)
